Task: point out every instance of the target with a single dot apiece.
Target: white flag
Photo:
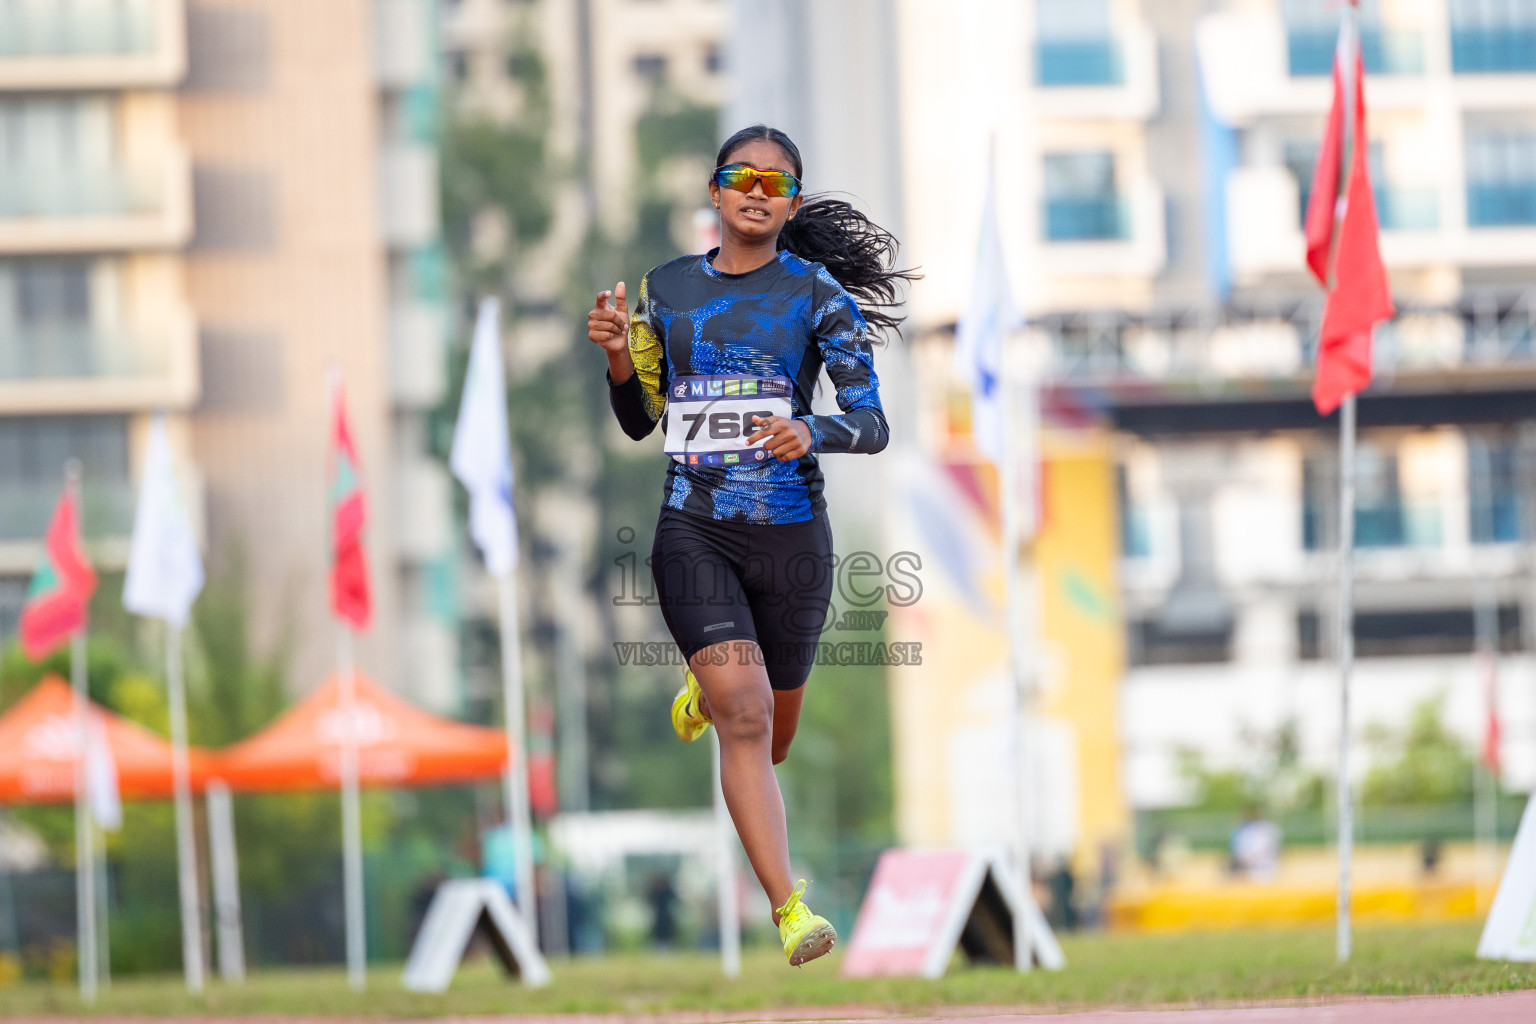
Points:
(101, 786)
(482, 451)
(988, 320)
(165, 573)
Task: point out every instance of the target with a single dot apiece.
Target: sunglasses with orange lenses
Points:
(776, 184)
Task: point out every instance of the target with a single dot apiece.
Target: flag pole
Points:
(351, 829)
(1486, 659)
(1346, 826)
(1346, 646)
(519, 816)
(186, 853)
(1018, 680)
(85, 855)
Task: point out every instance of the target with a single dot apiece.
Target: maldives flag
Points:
(61, 587)
(1343, 248)
(349, 563)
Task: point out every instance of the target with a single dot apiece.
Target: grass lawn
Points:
(1113, 970)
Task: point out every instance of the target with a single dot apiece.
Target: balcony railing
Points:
(1386, 52)
(89, 28)
(1501, 204)
(1094, 219)
(1480, 51)
(106, 508)
(1079, 62)
(78, 192)
(78, 353)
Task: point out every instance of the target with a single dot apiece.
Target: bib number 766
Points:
(723, 426)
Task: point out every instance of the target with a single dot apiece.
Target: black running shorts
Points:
(770, 583)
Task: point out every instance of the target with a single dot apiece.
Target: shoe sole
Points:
(817, 943)
(679, 707)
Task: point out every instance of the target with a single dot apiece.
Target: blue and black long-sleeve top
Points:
(787, 318)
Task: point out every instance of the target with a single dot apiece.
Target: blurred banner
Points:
(950, 713)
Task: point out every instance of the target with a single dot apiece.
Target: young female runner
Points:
(725, 350)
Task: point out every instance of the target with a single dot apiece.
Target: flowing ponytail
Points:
(858, 253)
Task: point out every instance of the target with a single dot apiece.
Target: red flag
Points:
(61, 587)
(1493, 732)
(349, 562)
(1343, 246)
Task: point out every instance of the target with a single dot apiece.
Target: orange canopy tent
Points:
(38, 752)
(397, 745)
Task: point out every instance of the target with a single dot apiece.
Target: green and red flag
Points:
(61, 587)
(350, 597)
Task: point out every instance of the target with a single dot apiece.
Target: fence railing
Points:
(89, 28)
(79, 192)
(69, 353)
(1432, 823)
(1387, 51)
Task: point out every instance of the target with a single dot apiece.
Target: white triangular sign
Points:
(459, 908)
(1510, 932)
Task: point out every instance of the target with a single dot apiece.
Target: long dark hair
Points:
(857, 252)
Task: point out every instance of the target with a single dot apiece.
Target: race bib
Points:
(710, 418)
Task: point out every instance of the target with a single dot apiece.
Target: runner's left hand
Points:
(788, 439)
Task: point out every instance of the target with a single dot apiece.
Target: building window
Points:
(523, 66)
(1312, 36)
(51, 293)
(33, 452)
(1493, 36)
(1154, 644)
(1081, 201)
(13, 596)
(1501, 176)
(1407, 633)
(651, 66)
(1135, 520)
(1398, 207)
(712, 59)
(45, 319)
(1381, 518)
(1494, 502)
(1075, 44)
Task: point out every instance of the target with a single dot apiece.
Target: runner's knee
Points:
(743, 717)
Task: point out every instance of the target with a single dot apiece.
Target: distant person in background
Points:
(1256, 847)
(663, 898)
(1063, 885)
(798, 284)
(1429, 856)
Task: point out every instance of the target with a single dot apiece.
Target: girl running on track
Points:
(724, 349)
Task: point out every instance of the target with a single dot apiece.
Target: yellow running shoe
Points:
(688, 717)
(806, 936)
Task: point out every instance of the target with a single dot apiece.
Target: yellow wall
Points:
(1077, 560)
(950, 714)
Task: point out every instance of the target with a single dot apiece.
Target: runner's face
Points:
(752, 218)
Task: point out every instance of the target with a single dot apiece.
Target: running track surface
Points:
(1506, 1008)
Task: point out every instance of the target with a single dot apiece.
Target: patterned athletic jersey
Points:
(785, 319)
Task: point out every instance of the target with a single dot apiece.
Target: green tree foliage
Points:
(1422, 763)
(1274, 781)
(502, 171)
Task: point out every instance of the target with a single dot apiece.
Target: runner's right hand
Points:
(608, 326)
